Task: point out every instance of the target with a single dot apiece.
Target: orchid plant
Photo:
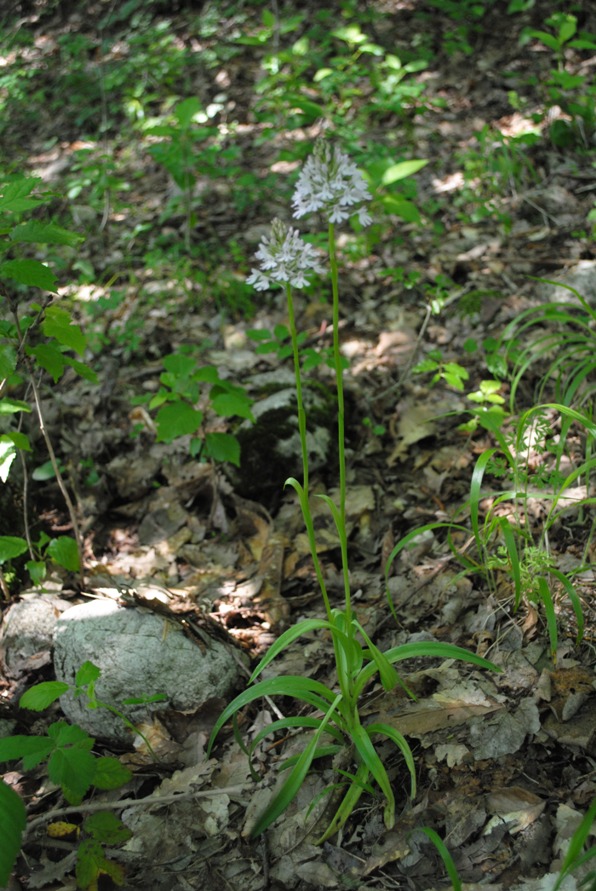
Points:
(332, 186)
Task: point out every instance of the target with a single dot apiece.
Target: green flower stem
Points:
(340, 425)
(304, 496)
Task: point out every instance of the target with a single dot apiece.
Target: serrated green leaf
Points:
(29, 272)
(91, 862)
(177, 419)
(82, 369)
(58, 324)
(110, 773)
(31, 749)
(8, 359)
(37, 571)
(49, 358)
(106, 828)
(13, 819)
(14, 194)
(87, 674)
(11, 546)
(72, 768)
(65, 734)
(35, 232)
(229, 405)
(223, 447)
(64, 552)
(41, 696)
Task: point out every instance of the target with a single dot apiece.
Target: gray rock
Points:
(139, 654)
(27, 631)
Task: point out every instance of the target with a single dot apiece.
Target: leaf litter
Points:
(505, 763)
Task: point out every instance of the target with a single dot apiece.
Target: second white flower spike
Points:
(332, 184)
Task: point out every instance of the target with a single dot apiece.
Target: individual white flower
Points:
(331, 183)
(284, 259)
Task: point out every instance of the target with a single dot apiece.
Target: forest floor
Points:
(505, 763)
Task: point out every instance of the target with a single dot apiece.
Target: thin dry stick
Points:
(90, 807)
(56, 469)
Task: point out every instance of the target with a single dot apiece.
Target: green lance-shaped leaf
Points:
(307, 689)
(295, 780)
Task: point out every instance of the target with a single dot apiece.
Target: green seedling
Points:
(183, 384)
(66, 750)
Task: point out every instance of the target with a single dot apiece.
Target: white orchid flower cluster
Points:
(329, 183)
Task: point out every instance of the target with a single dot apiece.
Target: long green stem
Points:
(305, 503)
(337, 358)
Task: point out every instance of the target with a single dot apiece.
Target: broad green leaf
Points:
(87, 674)
(209, 374)
(29, 272)
(106, 828)
(12, 406)
(49, 358)
(36, 232)
(223, 447)
(400, 207)
(186, 110)
(8, 359)
(83, 370)
(177, 419)
(402, 170)
(37, 570)
(229, 405)
(64, 552)
(44, 472)
(58, 324)
(17, 439)
(72, 767)
(110, 773)
(11, 546)
(13, 819)
(41, 696)
(91, 864)
(13, 748)
(14, 194)
(179, 365)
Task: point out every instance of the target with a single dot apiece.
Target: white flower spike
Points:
(331, 183)
(284, 259)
